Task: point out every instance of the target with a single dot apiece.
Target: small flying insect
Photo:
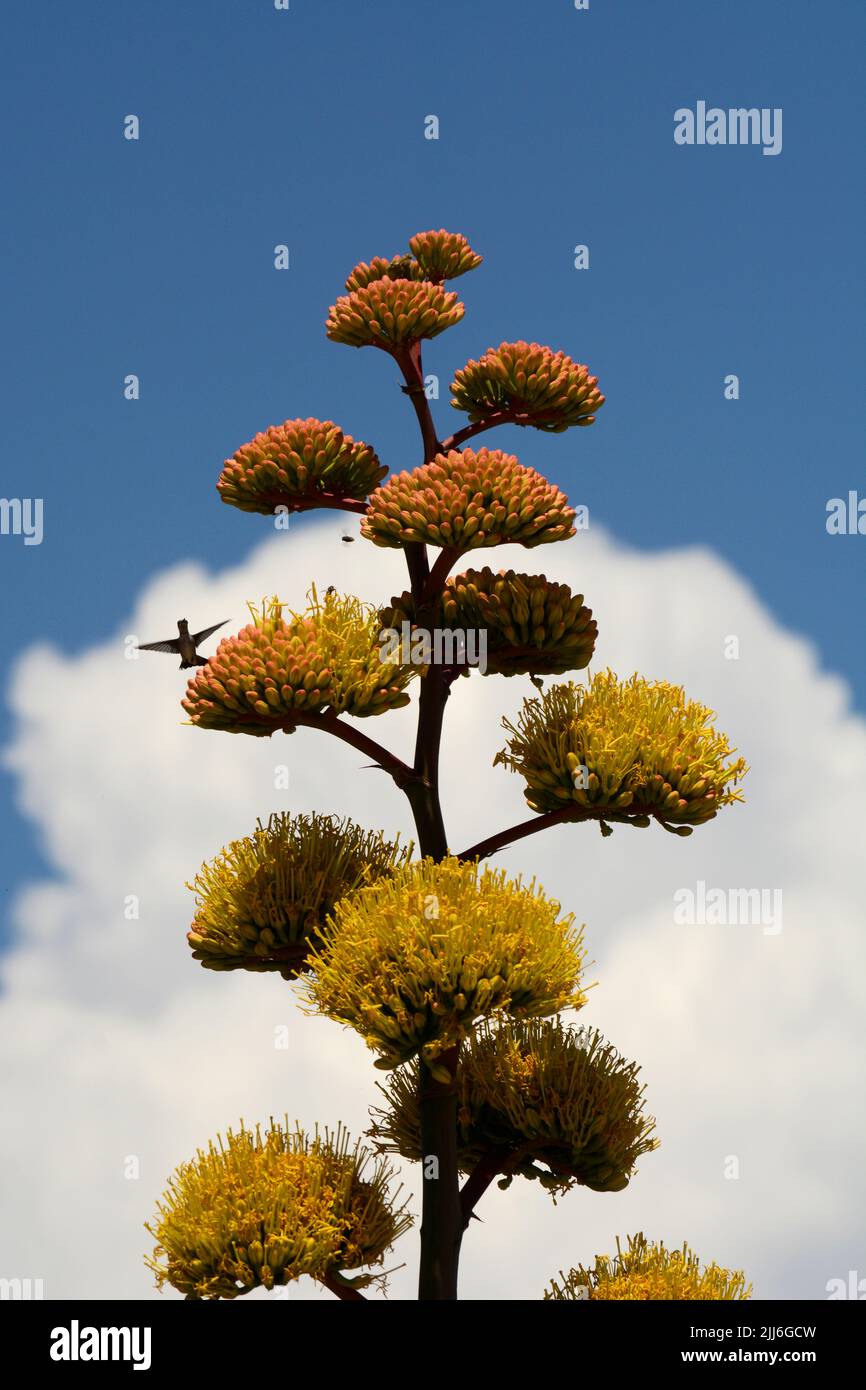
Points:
(348, 540)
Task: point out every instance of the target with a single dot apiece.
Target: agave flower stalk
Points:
(457, 1004)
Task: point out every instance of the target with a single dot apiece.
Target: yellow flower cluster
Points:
(435, 256)
(392, 314)
(533, 384)
(530, 1094)
(327, 658)
(397, 268)
(259, 1210)
(412, 961)
(623, 751)
(443, 255)
(532, 625)
(468, 499)
(298, 465)
(646, 1270)
(263, 901)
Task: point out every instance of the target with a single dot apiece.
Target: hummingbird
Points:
(184, 644)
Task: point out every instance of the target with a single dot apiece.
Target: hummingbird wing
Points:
(169, 645)
(206, 632)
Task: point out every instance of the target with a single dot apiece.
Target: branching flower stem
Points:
(442, 1220)
(338, 1286)
(317, 501)
(448, 557)
(443, 1217)
(409, 361)
(506, 416)
(495, 1163)
(459, 438)
(331, 723)
(570, 812)
(504, 838)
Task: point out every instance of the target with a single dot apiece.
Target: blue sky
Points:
(306, 127)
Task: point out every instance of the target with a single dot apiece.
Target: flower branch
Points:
(330, 723)
(408, 360)
(504, 838)
(336, 1284)
(498, 417)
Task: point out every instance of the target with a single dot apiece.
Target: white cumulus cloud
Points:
(121, 1055)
